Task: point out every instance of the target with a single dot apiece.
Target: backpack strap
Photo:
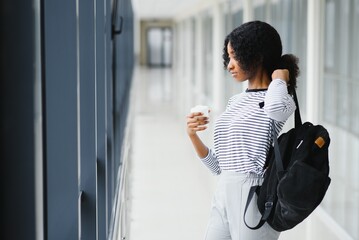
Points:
(297, 124)
(279, 164)
(253, 190)
(277, 156)
(297, 117)
(267, 208)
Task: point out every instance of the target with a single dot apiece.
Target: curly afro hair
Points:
(258, 44)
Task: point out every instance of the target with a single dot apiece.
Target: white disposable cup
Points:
(202, 109)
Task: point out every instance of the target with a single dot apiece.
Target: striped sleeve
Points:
(279, 104)
(211, 162)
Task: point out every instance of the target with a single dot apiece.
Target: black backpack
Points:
(296, 177)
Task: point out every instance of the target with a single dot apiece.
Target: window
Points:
(341, 109)
(289, 17)
(208, 54)
(340, 58)
(233, 18)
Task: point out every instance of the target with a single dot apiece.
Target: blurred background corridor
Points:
(93, 99)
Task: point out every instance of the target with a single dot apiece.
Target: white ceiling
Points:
(160, 8)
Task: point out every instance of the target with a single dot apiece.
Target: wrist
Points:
(282, 74)
(191, 134)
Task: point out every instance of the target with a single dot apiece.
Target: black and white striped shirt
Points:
(243, 133)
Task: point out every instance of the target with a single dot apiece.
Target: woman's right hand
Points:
(196, 122)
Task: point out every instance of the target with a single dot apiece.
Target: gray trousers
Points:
(226, 218)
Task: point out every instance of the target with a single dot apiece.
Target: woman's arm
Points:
(279, 104)
(197, 122)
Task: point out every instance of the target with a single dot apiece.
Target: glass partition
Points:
(208, 54)
(340, 109)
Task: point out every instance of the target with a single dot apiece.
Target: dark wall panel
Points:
(77, 118)
(60, 62)
(110, 169)
(17, 150)
(101, 75)
(124, 62)
(87, 95)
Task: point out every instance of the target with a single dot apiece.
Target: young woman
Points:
(242, 134)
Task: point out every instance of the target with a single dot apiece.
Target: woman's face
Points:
(233, 66)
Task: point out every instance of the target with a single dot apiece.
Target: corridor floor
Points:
(169, 188)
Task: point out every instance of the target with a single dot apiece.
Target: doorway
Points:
(159, 47)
